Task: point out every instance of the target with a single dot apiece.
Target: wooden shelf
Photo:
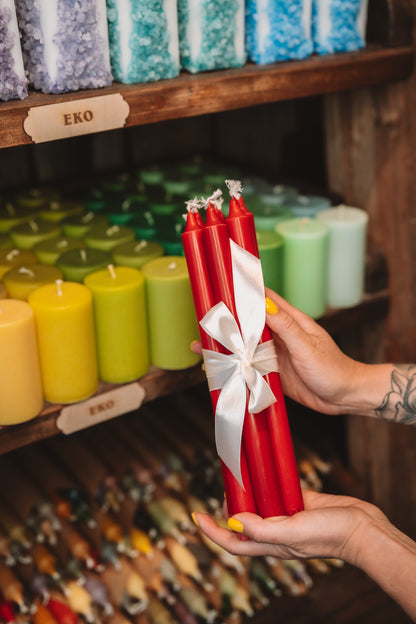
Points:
(211, 92)
(159, 383)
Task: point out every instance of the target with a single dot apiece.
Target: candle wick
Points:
(112, 230)
(25, 271)
(172, 266)
(54, 205)
(89, 216)
(83, 255)
(33, 226)
(192, 205)
(235, 187)
(62, 243)
(112, 271)
(59, 287)
(12, 254)
(10, 209)
(140, 245)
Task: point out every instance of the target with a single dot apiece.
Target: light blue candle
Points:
(346, 260)
(307, 205)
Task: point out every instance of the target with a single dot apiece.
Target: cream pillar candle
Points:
(21, 396)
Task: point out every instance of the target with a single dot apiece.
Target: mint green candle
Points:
(171, 313)
(305, 256)
(271, 257)
(28, 234)
(78, 225)
(48, 251)
(76, 264)
(267, 214)
(104, 237)
(58, 210)
(136, 253)
(346, 261)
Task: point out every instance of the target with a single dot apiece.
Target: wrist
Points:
(368, 387)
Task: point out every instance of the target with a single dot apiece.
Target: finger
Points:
(196, 347)
(303, 320)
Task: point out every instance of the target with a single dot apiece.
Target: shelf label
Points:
(75, 117)
(100, 408)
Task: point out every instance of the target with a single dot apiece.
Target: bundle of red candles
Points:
(251, 425)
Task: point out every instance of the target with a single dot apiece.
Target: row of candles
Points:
(97, 528)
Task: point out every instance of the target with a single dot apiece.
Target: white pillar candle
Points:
(346, 256)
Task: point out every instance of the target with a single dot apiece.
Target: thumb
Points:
(283, 323)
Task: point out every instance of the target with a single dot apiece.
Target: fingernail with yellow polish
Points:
(235, 525)
(194, 518)
(271, 307)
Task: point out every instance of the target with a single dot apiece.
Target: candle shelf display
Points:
(99, 526)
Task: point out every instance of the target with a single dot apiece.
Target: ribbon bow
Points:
(247, 361)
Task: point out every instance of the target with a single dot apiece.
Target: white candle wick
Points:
(62, 243)
(12, 254)
(112, 230)
(10, 209)
(141, 245)
(25, 271)
(83, 255)
(112, 271)
(172, 266)
(89, 216)
(235, 187)
(33, 226)
(59, 287)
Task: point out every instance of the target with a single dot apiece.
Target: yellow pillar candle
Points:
(171, 313)
(65, 327)
(10, 258)
(60, 209)
(27, 235)
(136, 253)
(20, 281)
(21, 396)
(105, 237)
(120, 323)
(48, 251)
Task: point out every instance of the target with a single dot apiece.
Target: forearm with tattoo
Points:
(399, 404)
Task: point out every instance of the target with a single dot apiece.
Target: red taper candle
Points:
(237, 499)
(255, 439)
(240, 223)
(61, 612)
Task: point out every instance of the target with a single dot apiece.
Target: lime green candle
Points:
(48, 251)
(11, 215)
(271, 257)
(136, 253)
(58, 210)
(78, 225)
(305, 253)
(10, 258)
(171, 313)
(27, 235)
(36, 198)
(121, 333)
(22, 280)
(76, 264)
(105, 238)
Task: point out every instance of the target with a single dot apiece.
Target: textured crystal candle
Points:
(48, 251)
(136, 253)
(105, 238)
(339, 27)
(76, 264)
(13, 84)
(65, 329)
(21, 396)
(120, 323)
(171, 314)
(22, 280)
(27, 235)
(305, 257)
(143, 40)
(65, 45)
(346, 256)
(10, 258)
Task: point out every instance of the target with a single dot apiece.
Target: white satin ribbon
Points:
(241, 370)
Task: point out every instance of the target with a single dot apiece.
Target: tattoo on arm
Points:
(399, 404)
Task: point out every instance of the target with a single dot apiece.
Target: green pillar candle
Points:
(48, 251)
(129, 209)
(10, 258)
(105, 238)
(307, 205)
(58, 210)
(346, 260)
(171, 313)
(76, 264)
(78, 225)
(268, 211)
(144, 226)
(305, 254)
(165, 208)
(94, 200)
(22, 280)
(271, 256)
(119, 184)
(151, 176)
(36, 198)
(27, 235)
(136, 253)
(11, 215)
(121, 332)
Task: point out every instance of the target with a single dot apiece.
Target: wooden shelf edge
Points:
(159, 383)
(229, 89)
